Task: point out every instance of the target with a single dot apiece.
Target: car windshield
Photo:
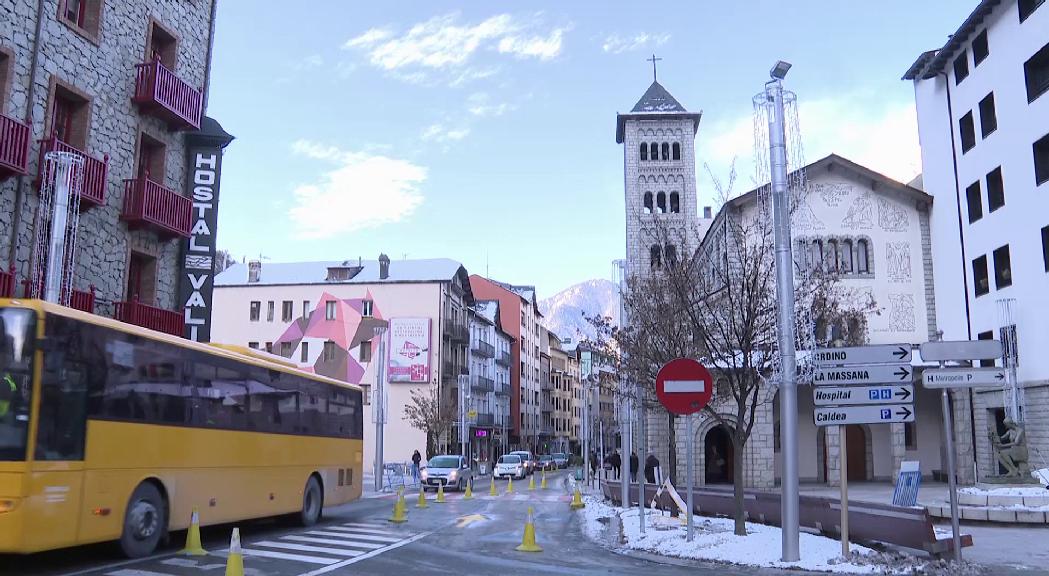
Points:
(559, 455)
(17, 344)
(444, 462)
(522, 455)
(510, 459)
(545, 458)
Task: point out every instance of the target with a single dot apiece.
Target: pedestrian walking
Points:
(651, 463)
(617, 463)
(633, 466)
(416, 461)
(593, 464)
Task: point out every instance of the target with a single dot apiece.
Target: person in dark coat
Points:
(416, 461)
(617, 463)
(593, 463)
(633, 466)
(651, 463)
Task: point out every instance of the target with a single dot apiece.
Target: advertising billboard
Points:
(409, 350)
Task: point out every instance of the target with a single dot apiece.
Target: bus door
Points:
(56, 473)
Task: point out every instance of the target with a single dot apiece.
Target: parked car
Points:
(546, 462)
(527, 459)
(453, 471)
(509, 466)
(561, 459)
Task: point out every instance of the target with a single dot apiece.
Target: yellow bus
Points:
(109, 431)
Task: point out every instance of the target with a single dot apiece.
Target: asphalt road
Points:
(475, 536)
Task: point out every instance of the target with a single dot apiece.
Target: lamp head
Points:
(779, 71)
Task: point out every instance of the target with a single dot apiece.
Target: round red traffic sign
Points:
(684, 386)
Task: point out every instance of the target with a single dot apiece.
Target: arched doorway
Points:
(718, 455)
(856, 447)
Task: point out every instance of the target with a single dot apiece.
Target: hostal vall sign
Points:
(201, 250)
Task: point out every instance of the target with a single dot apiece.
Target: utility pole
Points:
(379, 405)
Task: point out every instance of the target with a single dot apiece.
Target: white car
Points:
(510, 466)
(527, 460)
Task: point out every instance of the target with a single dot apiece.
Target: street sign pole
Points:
(640, 459)
(948, 428)
(690, 464)
(844, 492)
(379, 405)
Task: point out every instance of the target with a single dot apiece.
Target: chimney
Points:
(254, 271)
(384, 266)
(706, 212)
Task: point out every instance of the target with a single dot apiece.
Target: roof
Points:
(487, 310)
(283, 273)
(931, 63)
(526, 293)
(655, 103)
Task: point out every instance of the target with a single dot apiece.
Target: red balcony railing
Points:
(160, 92)
(93, 178)
(14, 147)
(159, 319)
(78, 300)
(7, 283)
(148, 204)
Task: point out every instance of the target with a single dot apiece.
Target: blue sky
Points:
(485, 131)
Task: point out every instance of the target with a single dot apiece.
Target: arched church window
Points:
(653, 151)
(644, 151)
(671, 254)
(677, 151)
(675, 203)
(666, 151)
(863, 257)
(832, 256)
(846, 256)
(648, 203)
(661, 203)
(655, 259)
(816, 254)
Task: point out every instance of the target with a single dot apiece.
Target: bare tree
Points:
(223, 260)
(426, 412)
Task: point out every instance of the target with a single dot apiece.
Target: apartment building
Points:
(983, 121)
(121, 87)
(489, 382)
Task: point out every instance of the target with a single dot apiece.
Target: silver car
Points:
(449, 470)
(527, 459)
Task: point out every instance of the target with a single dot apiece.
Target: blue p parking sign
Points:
(886, 414)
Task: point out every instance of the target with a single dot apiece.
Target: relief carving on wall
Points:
(901, 313)
(898, 265)
(804, 218)
(891, 216)
(861, 214)
(833, 194)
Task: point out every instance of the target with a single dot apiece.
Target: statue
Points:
(1011, 449)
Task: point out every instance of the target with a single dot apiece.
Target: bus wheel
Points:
(144, 521)
(312, 500)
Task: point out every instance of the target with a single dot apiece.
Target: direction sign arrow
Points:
(878, 374)
(863, 355)
(961, 350)
(963, 377)
(838, 395)
(842, 415)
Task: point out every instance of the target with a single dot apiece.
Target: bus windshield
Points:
(17, 344)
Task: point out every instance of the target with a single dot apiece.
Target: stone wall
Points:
(1036, 414)
(103, 69)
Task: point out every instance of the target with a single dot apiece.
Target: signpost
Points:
(945, 379)
(684, 387)
(861, 385)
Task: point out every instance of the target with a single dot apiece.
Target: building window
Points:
(644, 151)
(152, 154)
(671, 254)
(832, 256)
(647, 203)
(677, 150)
(995, 190)
(1041, 160)
(254, 310)
(666, 151)
(82, 15)
(269, 311)
(846, 256)
(653, 151)
(910, 436)
(816, 255)
(974, 200)
(253, 345)
(5, 75)
(269, 347)
(863, 257)
(655, 259)
(329, 310)
(1003, 274)
(675, 203)
(1027, 7)
(980, 51)
(366, 308)
(988, 119)
(328, 352)
(988, 335)
(287, 349)
(961, 67)
(364, 354)
(661, 203)
(306, 309)
(162, 46)
(968, 132)
(1045, 247)
(141, 278)
(980, 282)
(286, 310)
(1036, 71)
(70, 116)
(304, 352)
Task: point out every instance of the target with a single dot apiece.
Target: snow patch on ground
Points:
(1012, 491)
(1042, 476)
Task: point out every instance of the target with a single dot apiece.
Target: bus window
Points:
(17, 327)
(62, 423)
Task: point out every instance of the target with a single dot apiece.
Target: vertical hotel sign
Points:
(409, 350)
(197, 278)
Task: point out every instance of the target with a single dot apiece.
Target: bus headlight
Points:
(7, 505)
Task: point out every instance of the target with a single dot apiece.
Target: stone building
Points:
(122, 85)
(489, 382)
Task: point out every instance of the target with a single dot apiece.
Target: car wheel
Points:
(312, 502)
(145, 521)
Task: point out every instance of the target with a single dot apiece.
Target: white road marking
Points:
(365, 529)
(371, 554)
(365, 537)
(366, 545)
(364, 525)
(132, 572)
(98, 569)
(365, 532)
(285, 556)
(191, 563)
(344, 552)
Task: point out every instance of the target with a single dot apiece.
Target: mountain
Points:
(563, 313)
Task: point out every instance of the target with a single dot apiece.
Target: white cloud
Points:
(312, 61)
(361, 191)
(442, 44)
(441, 134)
(479, 104)
(616, 44)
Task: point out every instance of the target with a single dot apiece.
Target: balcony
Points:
(546, 430)
(503, 359)
(7, 283)
(481, 384)
(159, 319)
(158, 91)
(483, 349)
(78, 300)
(502, 389)
(150, 205)
(93, 178)
(486, 420)
(14, 147)
(460, 333)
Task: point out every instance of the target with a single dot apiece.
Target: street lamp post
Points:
(379, 405)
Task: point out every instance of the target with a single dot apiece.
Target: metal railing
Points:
(483, 349)
(485, 419)
(14, 146)
(78, 299)
(159, 319)
(147, 203)
(482, 384)
(161, 91)
(93, 180)
(503, 359)
(7, 283)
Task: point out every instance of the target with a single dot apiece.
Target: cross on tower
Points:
(653, 60)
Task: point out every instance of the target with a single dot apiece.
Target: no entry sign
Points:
(684, 386)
